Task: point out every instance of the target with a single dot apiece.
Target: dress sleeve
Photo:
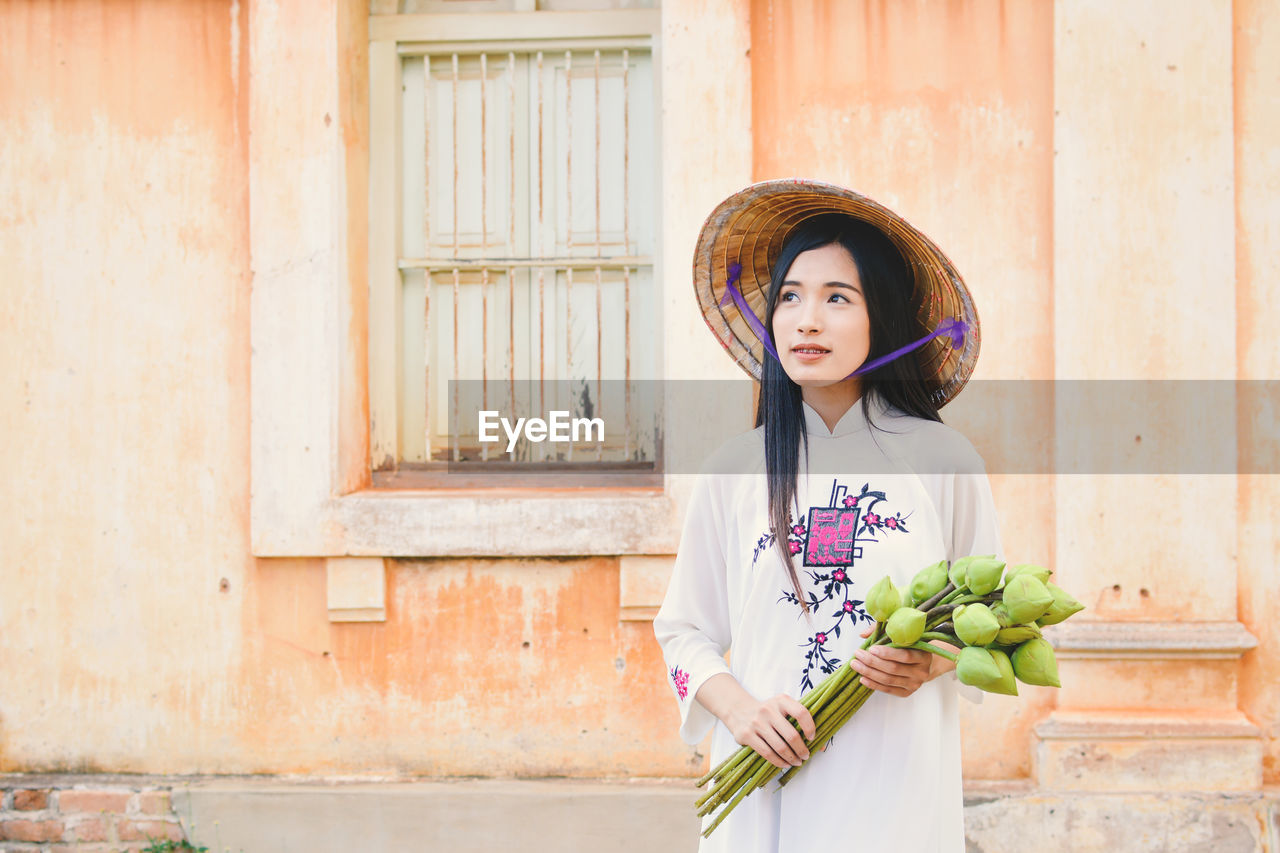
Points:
(973, 530)
(693, 624)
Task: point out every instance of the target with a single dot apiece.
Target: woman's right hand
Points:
(764, 727)
(761, 725)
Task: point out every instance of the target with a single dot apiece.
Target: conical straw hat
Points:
(750, 227)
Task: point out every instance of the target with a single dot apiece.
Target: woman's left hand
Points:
(899, 672)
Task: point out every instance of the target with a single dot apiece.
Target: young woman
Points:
(858, 329)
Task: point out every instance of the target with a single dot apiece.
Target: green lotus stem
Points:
(716, 795)
(822, 739)
(717, 788)
(831, 703)
(860, 698)
(941, 594)
(834, 701)
(926, 647)
(818, 695)
(813, 700)
(831, 723)
(988, 599)
(836, 706)
(941, 611)
(743, 754)
(840, 713)
(748, 770)
(711, 774)
(770, 771)
(746, 789)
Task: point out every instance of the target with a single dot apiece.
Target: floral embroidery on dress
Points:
(830, 543)
(681, 680)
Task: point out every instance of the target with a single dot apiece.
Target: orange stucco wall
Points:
(482, 667)
(124, 368)
(137, 631)
(1257, 141)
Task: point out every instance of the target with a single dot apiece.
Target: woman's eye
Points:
(790, 296)
(838, 296)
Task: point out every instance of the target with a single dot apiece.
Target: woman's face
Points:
(820, 322)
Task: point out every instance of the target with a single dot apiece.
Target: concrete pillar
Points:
(1144, 276)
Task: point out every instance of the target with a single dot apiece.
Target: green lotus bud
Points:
(1063, 607)
(1035, 663)
(905, 626)
(1017, 634)
(983, 574)
(1007, 684)
(975, 624)
(928, 582)
(1040, 573)
(883, 599)
(959, 571)
(1026, 598)
(1002, 614)
(976, 667)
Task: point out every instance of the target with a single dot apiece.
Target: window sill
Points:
(479, 523)
(434, 478)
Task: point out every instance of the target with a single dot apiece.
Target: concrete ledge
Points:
(1148, 752)
(1133, 823)
(465, 816)
(1151, 640)
(284, 815)
(1094, 725)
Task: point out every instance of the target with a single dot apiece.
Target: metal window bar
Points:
(568, 231)
(626, 246)
(484, 243)
(456, 387)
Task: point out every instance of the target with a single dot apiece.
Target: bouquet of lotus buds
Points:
(993, 616)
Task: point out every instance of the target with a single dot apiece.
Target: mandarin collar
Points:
(850, 422)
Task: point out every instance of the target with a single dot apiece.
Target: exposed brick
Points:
(31, 830)
(93, 801)
(145, 830)
(154, 802)
(79, 848)
(30, 801)
(88, 829)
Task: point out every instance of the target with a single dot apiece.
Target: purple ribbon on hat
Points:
(951, 327)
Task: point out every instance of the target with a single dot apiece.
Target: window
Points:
(512, 230)
(318, 262)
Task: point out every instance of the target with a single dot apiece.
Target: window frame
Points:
(304, 97)
(390, 36)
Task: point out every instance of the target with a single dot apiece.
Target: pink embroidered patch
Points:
(681, 680)
(831, 533)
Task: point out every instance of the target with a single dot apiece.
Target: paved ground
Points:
(249, 814)
(467, 816)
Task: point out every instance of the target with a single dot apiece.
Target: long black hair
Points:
(886, 286)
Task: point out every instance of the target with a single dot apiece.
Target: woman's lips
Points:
(809, 353)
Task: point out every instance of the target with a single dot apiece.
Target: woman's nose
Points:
(808, 322)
